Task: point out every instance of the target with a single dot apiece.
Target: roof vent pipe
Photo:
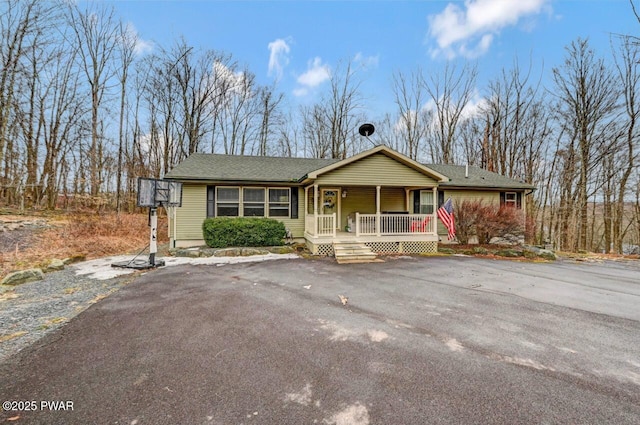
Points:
(466, 171)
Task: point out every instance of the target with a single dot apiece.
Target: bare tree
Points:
(96, 33)
(126, 49)
(586, 99)
(269, 117)
(410, 98)
(316, 132)
(21, 25)
(450, 94)
(627, 59)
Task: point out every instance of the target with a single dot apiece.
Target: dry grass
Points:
(82, 235)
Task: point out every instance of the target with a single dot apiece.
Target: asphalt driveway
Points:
(421, 340)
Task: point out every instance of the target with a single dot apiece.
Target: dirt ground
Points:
(33, 240)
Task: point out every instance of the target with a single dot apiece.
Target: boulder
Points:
(545, 254)
(22, 276)
(509, 253)
(186, 252)
(74, 259)
(228, 252)
(508, 239)
(55, 265)
(253, 251)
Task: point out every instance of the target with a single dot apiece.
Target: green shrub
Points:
(222, 232)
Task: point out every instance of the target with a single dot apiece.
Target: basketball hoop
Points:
(154, 193)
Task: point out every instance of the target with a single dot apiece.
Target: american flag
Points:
(445, 214)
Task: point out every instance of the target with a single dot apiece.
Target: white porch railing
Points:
(394, 224)
(321, 225)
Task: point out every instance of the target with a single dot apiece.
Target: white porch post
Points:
(357, 224)
(306, 208)
(377, 210)
(315, 209)
(334, 225)
(435, 209)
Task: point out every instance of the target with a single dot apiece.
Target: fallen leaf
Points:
(344, 300)
(4, 338)
(307, 287)
(13, 418)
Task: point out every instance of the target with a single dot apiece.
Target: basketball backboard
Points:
(153, 193)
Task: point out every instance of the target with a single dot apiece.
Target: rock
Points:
(509, 253)
(22, 276)
(281, 249)
(207, 252)
(508, 239)
(74, 259)
(186, 252)
(14, 226)
(253, 251)
(545, 254)
(228, 252)
(548, 255)
(54, 265)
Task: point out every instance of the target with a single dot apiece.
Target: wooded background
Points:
(83, 113)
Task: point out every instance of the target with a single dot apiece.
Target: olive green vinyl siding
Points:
(363, 200)
(192, 212)
(392, 199)
(296, 225)
(457, 196)
(360, 199)
(375, 170)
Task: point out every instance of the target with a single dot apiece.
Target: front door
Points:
(331, 203)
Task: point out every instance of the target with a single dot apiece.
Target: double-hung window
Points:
(510, 199)
(279, 202)
(426, 202)
(228, 202)
(253, 202)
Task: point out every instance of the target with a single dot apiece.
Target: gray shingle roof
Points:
(200, 166)
(233, 168)
(478, 177)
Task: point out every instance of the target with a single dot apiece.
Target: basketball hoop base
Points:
(140, 264)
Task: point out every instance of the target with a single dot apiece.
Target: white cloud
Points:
(366, 62)
(278, 57)
(141, 46)
(144, 46)
(469, 31)
(300, 92)
(316, 74)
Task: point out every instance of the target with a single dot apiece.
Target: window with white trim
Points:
(510, 199)
(279, 202)
(228, 202)
(253, 202)
(426, 202)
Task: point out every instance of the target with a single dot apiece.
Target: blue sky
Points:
(300, 43)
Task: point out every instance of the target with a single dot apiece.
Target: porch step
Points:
(350, 252)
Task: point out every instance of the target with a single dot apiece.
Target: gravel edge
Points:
(30, 311)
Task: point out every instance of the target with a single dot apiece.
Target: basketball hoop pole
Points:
(153, 238)
(154, 193)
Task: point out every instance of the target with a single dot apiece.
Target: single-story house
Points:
(379, 198)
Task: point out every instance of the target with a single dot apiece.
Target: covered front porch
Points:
(387, 219)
